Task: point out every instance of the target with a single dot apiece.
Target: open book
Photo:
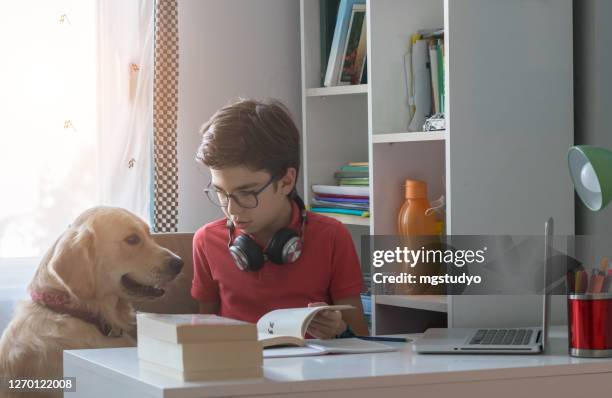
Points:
(288, 326)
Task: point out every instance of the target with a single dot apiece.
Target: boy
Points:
(269, 252)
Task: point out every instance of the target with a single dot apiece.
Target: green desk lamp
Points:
(591, 170)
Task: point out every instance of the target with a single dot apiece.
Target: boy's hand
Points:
(327, 324)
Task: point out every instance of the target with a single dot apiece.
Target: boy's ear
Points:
(287, 183)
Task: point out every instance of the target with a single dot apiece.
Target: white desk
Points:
(115, 373)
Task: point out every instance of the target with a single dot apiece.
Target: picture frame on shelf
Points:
(335, 60)
(354, 53)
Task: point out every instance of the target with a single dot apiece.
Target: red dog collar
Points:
(60, 302)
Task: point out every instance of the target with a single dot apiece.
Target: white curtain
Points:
(47, 116)
(76, 122)
(125, 103)
(76, 115)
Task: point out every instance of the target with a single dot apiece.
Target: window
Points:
(76, 115)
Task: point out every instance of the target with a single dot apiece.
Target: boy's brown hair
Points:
(259, 135)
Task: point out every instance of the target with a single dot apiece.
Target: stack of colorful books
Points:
(350, 197)
(355, 173)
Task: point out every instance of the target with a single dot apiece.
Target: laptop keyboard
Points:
(502, 337)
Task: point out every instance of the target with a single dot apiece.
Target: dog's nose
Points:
(175, 264)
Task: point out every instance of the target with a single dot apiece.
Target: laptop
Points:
(529, 340)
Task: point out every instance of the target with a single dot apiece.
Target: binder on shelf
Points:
(435, 88)
(334, 62)
(421, 81)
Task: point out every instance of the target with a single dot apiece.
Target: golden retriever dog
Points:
(81, 293)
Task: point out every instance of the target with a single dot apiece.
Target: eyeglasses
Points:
(244, 199)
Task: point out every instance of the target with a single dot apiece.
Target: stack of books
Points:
(350, 197)
(198, 347)
(355, 173)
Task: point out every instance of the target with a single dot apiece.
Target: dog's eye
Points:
(132, 239)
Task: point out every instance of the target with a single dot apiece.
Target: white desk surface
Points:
(328, 373)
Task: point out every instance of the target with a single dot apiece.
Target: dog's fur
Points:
(90, 262)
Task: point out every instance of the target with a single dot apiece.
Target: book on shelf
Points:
(352, 68)
(341, 190)
(342, 205)
(360, 213)
(440, 54)
(190, 328)
(419, 78)
(328, 14)
(364, 72)
(351, 174)
(435, 84)
(351, 168)
(342, 198)
(424, 65)
(436, 57)
(334, 63)
(350, 198)
(288, 326)
(332, 346)
(354, 181)
(361, 56)
(362, 200)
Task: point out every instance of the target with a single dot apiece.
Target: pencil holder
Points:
(589, 318)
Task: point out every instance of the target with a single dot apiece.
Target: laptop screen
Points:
(548, 244)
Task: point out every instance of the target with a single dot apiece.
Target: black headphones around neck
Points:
(285, 246)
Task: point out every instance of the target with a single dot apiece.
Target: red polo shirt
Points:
(327, 270)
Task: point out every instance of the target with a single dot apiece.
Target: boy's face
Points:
(237, 180)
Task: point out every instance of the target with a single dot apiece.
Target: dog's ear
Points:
(72, 261)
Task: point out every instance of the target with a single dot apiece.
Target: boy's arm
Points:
(204, 288)
(354, 318)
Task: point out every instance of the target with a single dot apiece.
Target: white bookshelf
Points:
(391, 138)
(498, 157)
(337, 90)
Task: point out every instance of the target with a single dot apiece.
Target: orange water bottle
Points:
(412, 218)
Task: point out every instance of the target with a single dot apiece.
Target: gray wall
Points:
(229, 49)
(593, 94)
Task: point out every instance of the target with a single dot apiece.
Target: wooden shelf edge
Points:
(420, 302)
(337, 90)
(406, 136)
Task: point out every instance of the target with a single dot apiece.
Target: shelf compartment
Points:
(337, 90)
(391, 166)
(420, 136)
(420, 302)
